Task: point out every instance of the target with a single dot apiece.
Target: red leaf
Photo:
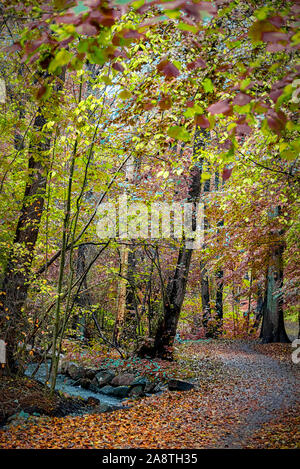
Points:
(147, 105)
(242, 129)
(195, 9)
(165, 103)
(276, 21)
(68, 18)
(168, 69)
(190, 103)
(275, 47)
(87, 29)
(221, 107)
(202, 121)
(41, 91)
(274, 95)
(192, 10)
(13, 48)
(276, 120)
(104, 17)
(131, 33)
(120, 53)
(199, 63)
(117, 66)
(226, 173)
(241, 99)
(274, 36)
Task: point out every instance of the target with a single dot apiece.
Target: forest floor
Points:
(245, 396)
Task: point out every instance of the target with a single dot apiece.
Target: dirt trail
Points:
(267, 384)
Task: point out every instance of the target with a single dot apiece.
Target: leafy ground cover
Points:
(245, 396)
(27, 397)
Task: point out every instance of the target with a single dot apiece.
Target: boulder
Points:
(137, 391)
(75, 371)
(84, 383)
(140, 381)
(90, 373)
(150, 387)
(123, 379)
(179, 385)
(102, 378)
(92, 401)
(94, 386)
(103, 407)
(119, 391)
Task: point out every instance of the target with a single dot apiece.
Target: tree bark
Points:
(273, 329)
(204, 280)
(205, 296)
(17, 275)
(121, 305)
(219, 300)
(83, 297)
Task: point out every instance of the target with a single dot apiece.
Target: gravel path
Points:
(267, 386)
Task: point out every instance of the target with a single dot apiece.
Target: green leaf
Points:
(245, 83)
(138, 4)
(179, 133)
(106, 80)
(62, 58)
(190, 112)
(173, 14)
(187, 27)
(125, 94)
(207, 85)
(262, 13)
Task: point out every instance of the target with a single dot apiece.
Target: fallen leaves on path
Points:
(233, 384)
(280, 433)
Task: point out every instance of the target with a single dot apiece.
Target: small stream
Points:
(66, 385)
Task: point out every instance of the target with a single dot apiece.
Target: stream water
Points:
(66, 385)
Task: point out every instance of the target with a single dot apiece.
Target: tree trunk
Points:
(258, 309)
(273, 329)
(83, 297)
(205, 297)
(204, 280)
(121, 305)
(219, 301)
(167, 325)
(17, 275)
(166, 331)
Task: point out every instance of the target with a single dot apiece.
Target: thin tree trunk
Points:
(82, 298)
(16, 280)
(121, 305)
(259, 308)
(205, 297)
(204, 280)
(219, 278)
(219, 301)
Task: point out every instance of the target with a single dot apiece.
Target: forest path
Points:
(267, 386)
(245, 396)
